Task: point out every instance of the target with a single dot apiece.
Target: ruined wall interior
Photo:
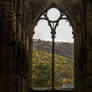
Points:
(89, 44)
(17, 21)
(14, 49)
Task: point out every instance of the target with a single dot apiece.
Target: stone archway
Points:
(28, 12)
(78, 33)
(74, 14)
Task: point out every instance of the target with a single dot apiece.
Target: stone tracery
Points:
(26, 14)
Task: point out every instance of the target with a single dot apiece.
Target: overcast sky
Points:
(63, 31)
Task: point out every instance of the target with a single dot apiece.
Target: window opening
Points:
(50, 62)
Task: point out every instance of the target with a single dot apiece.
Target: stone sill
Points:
(51, 90)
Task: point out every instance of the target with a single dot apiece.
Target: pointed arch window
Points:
(53, 17)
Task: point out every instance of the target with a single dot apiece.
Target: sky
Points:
(63, 30)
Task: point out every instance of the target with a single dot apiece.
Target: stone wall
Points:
(14, 45)
(89, 43)
(17, 21)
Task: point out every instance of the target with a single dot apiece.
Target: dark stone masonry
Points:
(17, 21)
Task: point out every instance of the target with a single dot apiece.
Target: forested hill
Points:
(61, 48)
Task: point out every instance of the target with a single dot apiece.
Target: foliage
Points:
(41, 70)
(61, 48)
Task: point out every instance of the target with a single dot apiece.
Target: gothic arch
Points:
(70, 19)
(61, 9)
(78, 32)
(11, 46)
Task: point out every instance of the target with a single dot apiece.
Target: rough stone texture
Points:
(89, 44)
(13, 51)
(17, 21)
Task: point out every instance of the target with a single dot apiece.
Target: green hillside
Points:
(61, 48)
(41, 70)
